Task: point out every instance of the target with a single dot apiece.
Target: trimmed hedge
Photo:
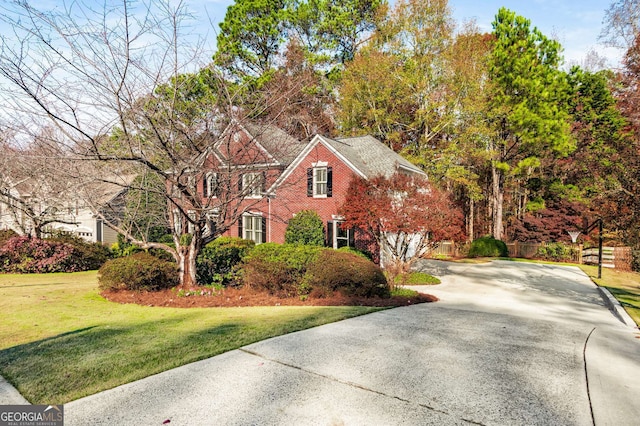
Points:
(218, 260)
(32, 255)
(488, 247)
(297, 270)
(138, 272)
(347, 273)
(89, 255)
(278, 268)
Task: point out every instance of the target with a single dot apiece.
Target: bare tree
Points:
(115, 84)
(33, 196)
(621, 23)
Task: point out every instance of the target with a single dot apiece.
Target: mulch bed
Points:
(231, 297)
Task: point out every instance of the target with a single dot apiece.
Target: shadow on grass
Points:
(620, 293)
(71, 365)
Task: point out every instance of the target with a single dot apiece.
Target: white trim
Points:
(303, 154)
(315, 182)
(320, 164)
(253, 188)
(235, 122)
(255, 166)
(412, 170)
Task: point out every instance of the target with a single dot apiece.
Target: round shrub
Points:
(305, 227)
(488, 247)
(278, 268)
(347, 273)
(218, 260)
(138, 272)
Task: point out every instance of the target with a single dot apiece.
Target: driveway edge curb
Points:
(616, 308)
(10, 395)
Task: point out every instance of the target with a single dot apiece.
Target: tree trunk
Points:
(471, 219)
(497, 198)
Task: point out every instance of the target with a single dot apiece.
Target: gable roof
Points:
(278, 143)
(365, 155)
(372, 157)
(277, 146)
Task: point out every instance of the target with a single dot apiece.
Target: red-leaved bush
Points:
(32, 255)
(405, 214)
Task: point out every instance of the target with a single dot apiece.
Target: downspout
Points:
(269, 219)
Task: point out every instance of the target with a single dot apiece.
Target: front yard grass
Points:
(624, 286)
(60, 340)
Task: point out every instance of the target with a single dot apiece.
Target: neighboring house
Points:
(108, 199)
(61, 213)
(288, 176)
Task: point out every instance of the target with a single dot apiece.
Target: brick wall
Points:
(291, 196)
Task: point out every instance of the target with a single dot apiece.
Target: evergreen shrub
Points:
(307, 228)
(218, 261)
(346, 273)
(139, 272)
(278, 268)
(488, 247)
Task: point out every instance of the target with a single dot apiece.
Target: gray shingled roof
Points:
(282, 146)
(370, 156)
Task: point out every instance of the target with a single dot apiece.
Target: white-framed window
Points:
(320, 182)
(341, 235)
(192, 218)
(252, 227)
(177, 222)
(252, 184)
(210, 185)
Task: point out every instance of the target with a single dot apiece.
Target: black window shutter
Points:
(309, 182)
(264, 182)
(264, 229)
(329, 182)
(240, 228)
(204, 186)
(240, 182)
(352, 237)
(330, 234)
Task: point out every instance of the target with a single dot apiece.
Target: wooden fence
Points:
(612, 257)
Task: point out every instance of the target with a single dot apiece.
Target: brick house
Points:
(287, 176)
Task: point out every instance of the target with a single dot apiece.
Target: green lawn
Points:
(624, 286)
(60, 340)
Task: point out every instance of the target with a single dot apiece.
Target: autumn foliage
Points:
(405, 214)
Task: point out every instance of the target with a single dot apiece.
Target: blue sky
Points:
(576, 24)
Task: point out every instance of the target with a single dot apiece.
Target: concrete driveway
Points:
(508, 344)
